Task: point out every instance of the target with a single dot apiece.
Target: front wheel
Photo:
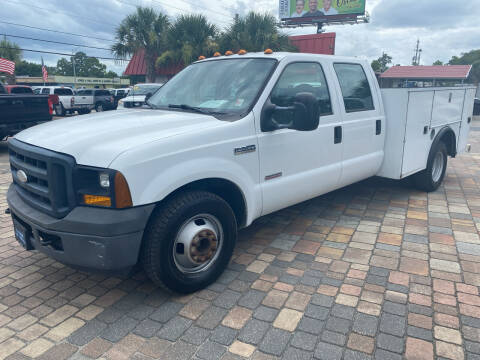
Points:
(430, 179)
(99, 107)
(189, 241)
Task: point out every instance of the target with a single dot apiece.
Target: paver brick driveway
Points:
(376, 270)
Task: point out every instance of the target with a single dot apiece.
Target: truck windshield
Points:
(144, 89)
(227, 86)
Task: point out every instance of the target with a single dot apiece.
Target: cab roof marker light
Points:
(217, 54)
(242, 52)
(201, 57)
(268, 51)
(228, 53)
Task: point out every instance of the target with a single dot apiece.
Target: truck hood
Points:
(97, 139)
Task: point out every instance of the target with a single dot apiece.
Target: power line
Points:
(60, 11)
(173, 7)
(55, 31)
(55, 42)
(59, 53)
(196, 5)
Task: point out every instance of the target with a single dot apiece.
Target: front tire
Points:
(430, 179)
(99, 107)
(189, 241)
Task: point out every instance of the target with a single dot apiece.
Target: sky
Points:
(444, 27)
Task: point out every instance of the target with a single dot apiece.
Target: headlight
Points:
(120, 102)
(102, 187)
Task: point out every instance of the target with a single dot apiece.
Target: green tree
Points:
(84, 66)
(10, 51)
(254, 32)
(189, 37)
(470, 58)
(438, 62)
(145, 29)
(27, 68)
(381, 64)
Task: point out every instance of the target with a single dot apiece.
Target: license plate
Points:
(22, 235)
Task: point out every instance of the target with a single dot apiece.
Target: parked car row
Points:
(65, 100)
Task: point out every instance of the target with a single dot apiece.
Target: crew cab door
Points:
(363, 126)
(299, 165)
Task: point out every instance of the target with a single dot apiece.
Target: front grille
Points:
(49, 185)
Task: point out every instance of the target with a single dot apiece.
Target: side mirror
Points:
(148, 96)
(303, 115)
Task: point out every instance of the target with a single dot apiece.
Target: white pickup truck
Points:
(227, 140)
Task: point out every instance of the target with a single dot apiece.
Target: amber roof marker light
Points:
(242, 52)
(228, 53)
(217, 54)
(201, 57)
(268, 51)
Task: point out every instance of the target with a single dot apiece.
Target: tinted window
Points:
(84, 92)
(63, 92)
(102, 93)
(46, 91)
(300, 78)
(21, 90)
(120, 92)
(356, 92)
(37, 91)
(2, 89)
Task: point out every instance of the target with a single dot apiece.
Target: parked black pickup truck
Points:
(18, 112)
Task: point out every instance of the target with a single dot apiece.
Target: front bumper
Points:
(88, 237)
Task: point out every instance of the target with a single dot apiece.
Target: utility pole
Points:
(418, 54)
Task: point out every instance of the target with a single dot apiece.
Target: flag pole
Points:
(42, 73)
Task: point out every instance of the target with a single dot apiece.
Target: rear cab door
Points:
(299, 165)
(363, 120)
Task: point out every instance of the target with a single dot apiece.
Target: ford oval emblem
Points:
(22, 176)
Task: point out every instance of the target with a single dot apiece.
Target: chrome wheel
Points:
(437, 167)
(198, 244)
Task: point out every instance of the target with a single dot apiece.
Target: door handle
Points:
(337, 137)
(378, 127)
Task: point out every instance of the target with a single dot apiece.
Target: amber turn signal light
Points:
(123, 198)
(97, 200)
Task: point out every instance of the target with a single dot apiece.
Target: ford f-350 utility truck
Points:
(225, 141)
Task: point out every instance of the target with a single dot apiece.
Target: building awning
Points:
(427, 72)
(138, 66)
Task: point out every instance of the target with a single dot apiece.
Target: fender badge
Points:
(22, 176)
(244, 150)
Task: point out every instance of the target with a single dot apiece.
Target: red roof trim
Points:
(428, 72)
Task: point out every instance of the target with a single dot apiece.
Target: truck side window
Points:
(302, 77)
(356, 92)
(46, 91)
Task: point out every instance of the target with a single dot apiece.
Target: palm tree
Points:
(189, 37)
(145, 29)
(254, 32)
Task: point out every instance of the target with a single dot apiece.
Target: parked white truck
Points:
(227, 140)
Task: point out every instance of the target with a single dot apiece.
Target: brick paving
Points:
(373, 271)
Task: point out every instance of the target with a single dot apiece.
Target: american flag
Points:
(44, 72)
(7, 66)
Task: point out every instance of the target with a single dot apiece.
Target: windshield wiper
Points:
(193, 108)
